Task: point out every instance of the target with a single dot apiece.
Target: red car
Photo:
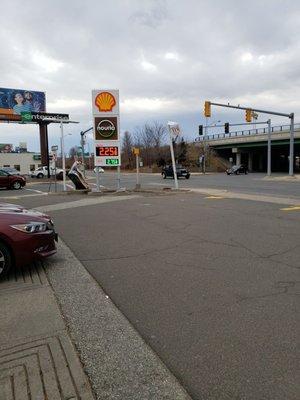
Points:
(25, 235)
(11, 181)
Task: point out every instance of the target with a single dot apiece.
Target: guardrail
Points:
(248, 132)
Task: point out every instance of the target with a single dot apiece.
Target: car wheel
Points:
(5, 259)
(16, 185)
(39, 176)
(187, 177)
(164, 176)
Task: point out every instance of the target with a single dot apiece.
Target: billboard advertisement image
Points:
(15, 101)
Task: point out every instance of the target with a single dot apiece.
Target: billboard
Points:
(15, 101)
(6, 148)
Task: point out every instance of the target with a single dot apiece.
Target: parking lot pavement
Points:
(117, 360)
(211, 284)
(37, 358)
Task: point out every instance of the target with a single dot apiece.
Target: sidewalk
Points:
(49, 310)
(37, 358)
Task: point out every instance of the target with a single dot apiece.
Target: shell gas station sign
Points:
(105, 106)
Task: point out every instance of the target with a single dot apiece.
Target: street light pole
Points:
(82, 143)
(63, 156)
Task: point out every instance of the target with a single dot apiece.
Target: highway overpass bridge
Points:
(250, 147)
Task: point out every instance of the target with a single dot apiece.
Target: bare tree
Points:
(127, 145)
(159, 132)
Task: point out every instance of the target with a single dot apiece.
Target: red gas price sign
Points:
(107, 151)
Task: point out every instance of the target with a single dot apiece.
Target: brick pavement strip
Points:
(37, 358)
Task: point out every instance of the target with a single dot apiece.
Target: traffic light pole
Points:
(290, 116)
(269, 149)
(291, 166)
(205, 134)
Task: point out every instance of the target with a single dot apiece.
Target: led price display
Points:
(107, 151)
(112, 161)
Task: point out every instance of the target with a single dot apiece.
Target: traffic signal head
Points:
(200, 130)
(226, 127)
(248, 115)
(207, 109)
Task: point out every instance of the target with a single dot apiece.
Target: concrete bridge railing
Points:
(279, 132)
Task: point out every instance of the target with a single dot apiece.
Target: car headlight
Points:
(31, 227)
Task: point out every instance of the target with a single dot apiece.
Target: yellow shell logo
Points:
(105, 101)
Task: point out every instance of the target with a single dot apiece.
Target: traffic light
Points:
(226, 127)
(200, 130)
(248, 115)
(207, 109)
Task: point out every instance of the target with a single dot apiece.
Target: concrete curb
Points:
(119, 363)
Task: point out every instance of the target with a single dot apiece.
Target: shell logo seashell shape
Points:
(105, 101)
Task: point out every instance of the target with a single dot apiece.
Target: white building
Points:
(23, 162)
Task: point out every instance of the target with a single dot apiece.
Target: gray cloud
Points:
(166, 57)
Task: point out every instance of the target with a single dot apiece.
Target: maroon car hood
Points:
(14, 209)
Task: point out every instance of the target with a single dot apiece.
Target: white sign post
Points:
(174, 131)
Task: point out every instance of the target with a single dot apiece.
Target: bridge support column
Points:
(238, 159)
(250, 160)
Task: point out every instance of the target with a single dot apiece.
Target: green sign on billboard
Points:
(26, 116)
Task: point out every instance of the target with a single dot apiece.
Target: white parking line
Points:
(84, 202)
(34, 190)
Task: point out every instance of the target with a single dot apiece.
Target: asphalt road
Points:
(251, 183)
(212, 284)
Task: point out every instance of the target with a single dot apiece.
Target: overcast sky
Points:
(166, 57)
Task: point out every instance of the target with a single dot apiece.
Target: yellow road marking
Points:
(214, 197)
(295, 208)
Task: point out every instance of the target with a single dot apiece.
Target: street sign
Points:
(54, 148)
(136, 151)
(174, 129)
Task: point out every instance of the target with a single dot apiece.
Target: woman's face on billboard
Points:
(19, 98)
